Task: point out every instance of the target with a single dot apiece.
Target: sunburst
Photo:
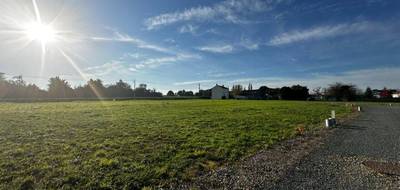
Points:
(32, 28)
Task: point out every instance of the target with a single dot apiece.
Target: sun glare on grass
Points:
(40, 32)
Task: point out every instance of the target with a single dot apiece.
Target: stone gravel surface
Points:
(375, 135)
(328, 159)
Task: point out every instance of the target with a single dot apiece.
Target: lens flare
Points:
(40, 32)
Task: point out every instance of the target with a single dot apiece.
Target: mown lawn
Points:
(135, 144)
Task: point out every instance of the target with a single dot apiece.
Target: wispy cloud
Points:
(114, 67)
(143, 61)
(223, 48)
(362, 78)
(193, 82)
(122, 67)
(226, 74)
(189, 28)
(155, 62)
(121, 37)
(320, 32)
(249, 44)
(232, 11)
(217, 48)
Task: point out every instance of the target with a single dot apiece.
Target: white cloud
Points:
(249, 44)
(121, 37)
(155, 62)
(223, 48)
(188, 29)
(217, 48)
(229, 74)
(170, 40)
(193, 82)
(320, 32)
(114, 67)
(212, 31)
(121, 67)
(231, 11)
(127, 56)
(142, 60)
(375, 78)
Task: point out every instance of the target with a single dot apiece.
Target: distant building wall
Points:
(219, 92)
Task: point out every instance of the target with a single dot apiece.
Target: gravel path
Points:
(375, 135)
(330, 159)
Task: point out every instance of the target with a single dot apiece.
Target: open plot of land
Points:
(133, 144)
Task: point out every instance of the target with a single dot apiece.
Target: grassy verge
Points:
(133, 144)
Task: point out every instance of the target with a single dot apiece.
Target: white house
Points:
(396, 94)
(219, 92)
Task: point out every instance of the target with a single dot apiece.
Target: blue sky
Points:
(178, 44)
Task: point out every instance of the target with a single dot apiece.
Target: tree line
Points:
(334, 92)
(17, 88)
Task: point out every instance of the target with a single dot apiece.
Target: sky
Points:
(173, 45)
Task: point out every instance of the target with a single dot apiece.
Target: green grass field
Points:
(135, 144)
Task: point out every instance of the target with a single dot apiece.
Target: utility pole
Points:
(199, 87)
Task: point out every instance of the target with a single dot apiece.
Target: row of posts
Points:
(331, 122)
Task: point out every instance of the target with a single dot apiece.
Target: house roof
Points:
(220, 86)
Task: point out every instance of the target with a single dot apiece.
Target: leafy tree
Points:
(204, 93)
(59, 88)
(317, 91)
(181, 93)
(33, 91)
(170, 93)
(3, 86)
(121, 89)
(189, 93)
(250, 87)
(342, 92)
(300, 92)
(97, 88)
(286, 93)
(296, 92)
(263, 91)
(185, 93)
(92, 89)
(368, 93)
(17, 88)
(236, 89)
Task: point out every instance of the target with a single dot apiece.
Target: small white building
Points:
(396, 94)
(219, 92)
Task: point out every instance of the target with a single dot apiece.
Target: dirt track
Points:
(330, 159)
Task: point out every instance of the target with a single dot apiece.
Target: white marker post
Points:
(327, 123)
(359, 108)
(333, 118)
(331, 122)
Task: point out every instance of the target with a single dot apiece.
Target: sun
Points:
(40, 32)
